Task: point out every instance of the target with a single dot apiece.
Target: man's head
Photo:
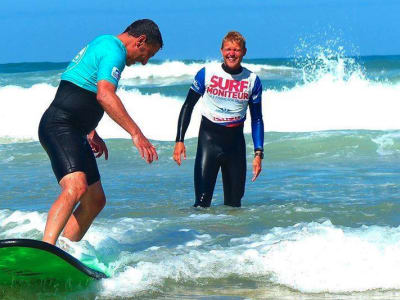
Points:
(149, 29)
(233, 49)
(143, 40)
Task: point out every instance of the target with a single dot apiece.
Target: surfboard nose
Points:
(26, 260)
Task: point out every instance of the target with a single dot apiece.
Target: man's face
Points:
(141, 52)
(232, 53)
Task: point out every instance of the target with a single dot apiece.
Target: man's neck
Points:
(125, 38)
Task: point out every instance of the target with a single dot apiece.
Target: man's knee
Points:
(75, 188)
(99, 202)
(74, 185)
(96, 199)
(76, 191)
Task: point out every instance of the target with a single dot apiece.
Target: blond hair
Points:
(234, 36)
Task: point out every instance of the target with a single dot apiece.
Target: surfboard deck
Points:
(26, 260)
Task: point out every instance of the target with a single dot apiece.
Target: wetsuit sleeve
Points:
(185, 114)
(196, 90)
(257, 124)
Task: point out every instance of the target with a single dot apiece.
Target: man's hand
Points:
(178, 151)
(146, 149)
(256, 167)
(113, 106)
(97, 144)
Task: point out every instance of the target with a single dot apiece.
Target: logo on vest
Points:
(228, 88)
(79, 56)
(196, 85)
(116, 73)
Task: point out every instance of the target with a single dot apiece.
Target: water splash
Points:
(328, 60)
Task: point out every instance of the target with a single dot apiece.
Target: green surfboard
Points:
(32, 261)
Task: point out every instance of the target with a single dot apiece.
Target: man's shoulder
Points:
(106, 40)
(250, 74)
(248, 71)
(109, 46)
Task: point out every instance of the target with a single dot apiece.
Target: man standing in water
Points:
(67, 128)
(226, 91)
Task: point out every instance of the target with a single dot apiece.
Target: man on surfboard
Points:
(226, 91)
(67, 128)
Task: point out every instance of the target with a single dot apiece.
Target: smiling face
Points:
(232, 53)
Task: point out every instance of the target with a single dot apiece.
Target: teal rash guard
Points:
(102, 59)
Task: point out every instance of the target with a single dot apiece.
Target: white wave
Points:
(333, 99)
(155, 114)
(331, 104)
(311, 258)
(167, 69)
(386, 143)
(170, 71)
(324, 258)
(336, 95)
(307, 257)
(22, 109)
(19, 224)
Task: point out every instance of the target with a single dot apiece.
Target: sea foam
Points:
(315, 257)
(308, 257)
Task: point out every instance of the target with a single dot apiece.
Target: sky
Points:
(54, 30)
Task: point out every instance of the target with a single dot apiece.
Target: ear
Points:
(244, 51)
(141, 40)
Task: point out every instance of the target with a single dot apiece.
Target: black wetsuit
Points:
(219, 147)
(73, 114)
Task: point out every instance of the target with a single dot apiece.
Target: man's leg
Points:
(91, 203)
(206, 169)
(234, 180)
(234, 174)
(205, 175)
(73, 187)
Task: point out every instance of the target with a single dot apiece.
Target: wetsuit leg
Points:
(73, 113)
(66, 146)
(206, 166)
(233, 170)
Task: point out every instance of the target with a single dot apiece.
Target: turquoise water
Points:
(321, 221)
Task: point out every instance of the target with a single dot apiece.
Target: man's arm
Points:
(257, 127)
(185, 114)
(195, 92)
(183, 123)
(114, 107)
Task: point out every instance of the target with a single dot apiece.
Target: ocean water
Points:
(321, 221)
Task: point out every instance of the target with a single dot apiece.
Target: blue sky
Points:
(56, 30)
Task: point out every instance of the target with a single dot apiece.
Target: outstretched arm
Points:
(183, 124)
(114, 107)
